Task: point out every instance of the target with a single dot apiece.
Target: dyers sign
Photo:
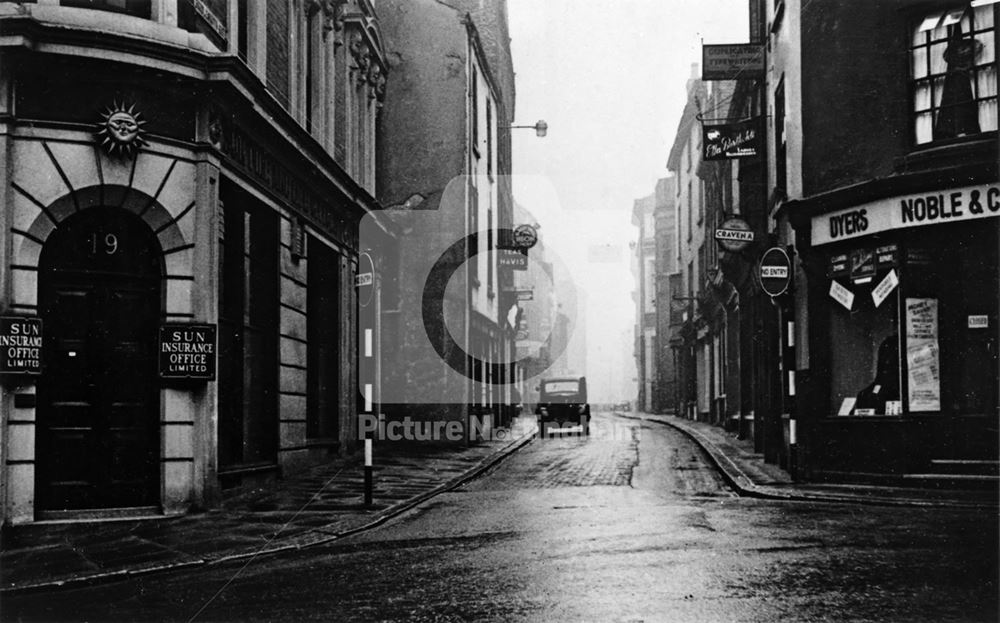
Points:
(919, 209)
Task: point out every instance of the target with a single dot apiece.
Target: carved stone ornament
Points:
(216, 134)
(333, 15)
(120, 131)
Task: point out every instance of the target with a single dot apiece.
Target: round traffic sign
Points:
(775, 271)
(365, 280)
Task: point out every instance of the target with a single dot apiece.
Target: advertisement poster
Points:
(922, 357)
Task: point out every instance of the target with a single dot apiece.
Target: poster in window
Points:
(922, 355)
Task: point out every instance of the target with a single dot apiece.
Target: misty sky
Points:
(609, 78)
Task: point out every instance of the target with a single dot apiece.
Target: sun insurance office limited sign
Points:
(187, 352)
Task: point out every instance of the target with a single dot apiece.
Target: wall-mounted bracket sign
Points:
(732, 61)
(775, 271)
(730, 140)
(20, 345)
(734, 234)
(513, 260)
(842, 295)
(885, 288)
(188, 351)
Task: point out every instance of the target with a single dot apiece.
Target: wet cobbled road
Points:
(631, 524)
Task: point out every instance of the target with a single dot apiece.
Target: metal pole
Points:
(368, 469)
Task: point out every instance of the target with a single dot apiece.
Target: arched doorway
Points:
(97, 443)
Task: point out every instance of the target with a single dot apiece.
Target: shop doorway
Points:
(97, 442)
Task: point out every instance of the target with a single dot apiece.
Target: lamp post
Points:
(541, 128)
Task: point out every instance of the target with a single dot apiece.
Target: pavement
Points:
(746, 471)
(310, 508)
(326, 503)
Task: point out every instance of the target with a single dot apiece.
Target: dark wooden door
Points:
(98, 406)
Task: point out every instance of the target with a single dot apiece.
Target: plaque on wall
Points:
(21, 343)
(187, 351)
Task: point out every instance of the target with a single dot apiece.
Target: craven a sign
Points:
(921, 209)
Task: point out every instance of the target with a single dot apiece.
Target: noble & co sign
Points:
(187, 351)
(922, 209)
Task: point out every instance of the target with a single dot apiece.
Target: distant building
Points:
(446, 161)
(644, 271)
(666, 276)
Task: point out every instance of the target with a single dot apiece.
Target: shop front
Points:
(902, 323)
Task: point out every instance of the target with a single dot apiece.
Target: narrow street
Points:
(631, 524)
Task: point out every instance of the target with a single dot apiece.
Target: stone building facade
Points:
(182, 184)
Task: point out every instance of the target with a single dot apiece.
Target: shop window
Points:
(929, 345)
(248, 338)
(323, 327)
(864, 347)
(953, 61)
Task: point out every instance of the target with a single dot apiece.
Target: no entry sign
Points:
(364, 281)
(775, 271)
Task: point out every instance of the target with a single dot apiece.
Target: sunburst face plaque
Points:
(120, 131)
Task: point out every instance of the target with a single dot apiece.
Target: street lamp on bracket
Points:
(541, 128)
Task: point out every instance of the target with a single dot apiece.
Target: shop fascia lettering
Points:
(946, 206)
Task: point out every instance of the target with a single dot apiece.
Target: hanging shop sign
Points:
(731, 140)
(734, 234)
(885, 288)
(20, 345)
(513, 260)
(775, 271)
(838, 266)
(525, 237)
(732, 61)
(916, 210)
(526, 295)
(842, 295)
(922, 357)
(886, 256)
(364, 281)
(862, 265)
(187, 351)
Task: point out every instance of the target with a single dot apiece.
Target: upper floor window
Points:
(953, 59)
(780, 142)
(489, 138)
(474, 109)
(139, 8)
